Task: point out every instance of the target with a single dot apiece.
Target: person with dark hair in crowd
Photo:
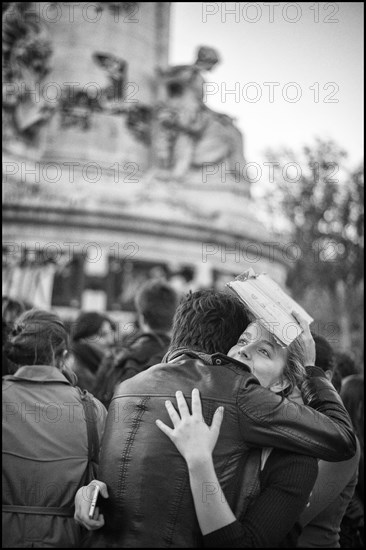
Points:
(353, 395)
(92, 340)
(353, 527)
(345, 364)
(335, 483)
(326, 359)
(155, 302)
(11, 309)
(51, 432)
(147, 481)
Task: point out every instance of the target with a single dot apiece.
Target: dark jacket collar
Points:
(215, 359)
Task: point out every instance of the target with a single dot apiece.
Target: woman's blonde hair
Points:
(294, 370)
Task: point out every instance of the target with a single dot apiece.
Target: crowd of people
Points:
(198, 430)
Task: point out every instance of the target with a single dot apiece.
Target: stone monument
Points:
(115, 169)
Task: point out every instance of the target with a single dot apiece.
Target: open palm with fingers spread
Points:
(194, 439)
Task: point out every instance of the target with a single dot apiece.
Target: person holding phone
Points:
(46, 446)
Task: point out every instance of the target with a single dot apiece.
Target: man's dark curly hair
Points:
(209, 321)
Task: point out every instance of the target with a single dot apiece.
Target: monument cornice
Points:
(112, 222)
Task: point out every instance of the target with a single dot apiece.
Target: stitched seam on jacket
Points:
(126, 453)
(174, 510)
(176, 506)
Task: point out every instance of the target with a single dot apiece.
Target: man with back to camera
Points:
(150, 503)
(155, 302)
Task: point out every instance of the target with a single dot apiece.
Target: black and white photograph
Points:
(183, 281)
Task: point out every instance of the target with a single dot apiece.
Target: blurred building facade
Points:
(115, 170)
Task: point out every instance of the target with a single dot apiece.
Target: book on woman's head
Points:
(270, 305)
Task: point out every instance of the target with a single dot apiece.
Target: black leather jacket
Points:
(150, 504)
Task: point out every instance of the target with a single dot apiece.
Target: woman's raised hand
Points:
(194, 439)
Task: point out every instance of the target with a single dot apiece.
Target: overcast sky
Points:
(309, 54)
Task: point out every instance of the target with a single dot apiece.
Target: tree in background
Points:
(321, 204)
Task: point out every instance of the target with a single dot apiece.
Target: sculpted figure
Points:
(189, 133)
(78, 105)
(113, 98)
(116, 69)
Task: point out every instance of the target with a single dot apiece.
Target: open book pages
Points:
(270, 305)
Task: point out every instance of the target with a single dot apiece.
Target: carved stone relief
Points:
(26, 62)
(77, 105)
